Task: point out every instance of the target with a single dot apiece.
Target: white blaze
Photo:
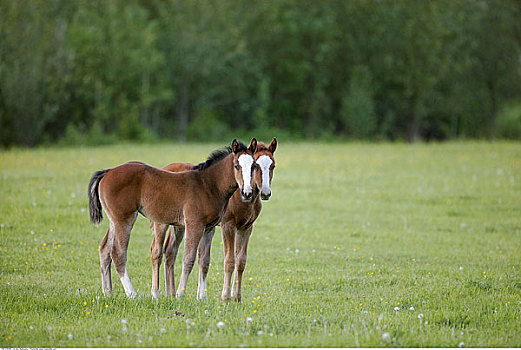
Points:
(265, 163)
(246, 161)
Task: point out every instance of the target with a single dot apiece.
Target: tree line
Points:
(101, 71)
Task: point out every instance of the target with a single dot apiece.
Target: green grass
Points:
(351, 233)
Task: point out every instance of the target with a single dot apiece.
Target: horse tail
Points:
(94, 203)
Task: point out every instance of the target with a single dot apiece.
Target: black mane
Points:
(218, 155)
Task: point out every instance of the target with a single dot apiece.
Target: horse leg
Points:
(105, 261)
(204, 262)
(228, 233)
(241, 255)
(173, 241)
(194, 232)
(156, 252)
(119, 252)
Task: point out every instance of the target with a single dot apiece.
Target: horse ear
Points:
(273, 145)
(253, 145)
(235, 146)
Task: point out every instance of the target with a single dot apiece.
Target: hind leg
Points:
(241, 255)
(156, 252)
(204, 262)
(119, 252)
(105, 261)
(194, 232)
(173, 241)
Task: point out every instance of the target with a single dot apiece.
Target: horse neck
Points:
(221, 176)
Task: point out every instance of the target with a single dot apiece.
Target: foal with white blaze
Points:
(237, 225)
(237, 222)
(193, 200)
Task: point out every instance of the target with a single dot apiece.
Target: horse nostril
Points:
(246, 195)
(266, 196)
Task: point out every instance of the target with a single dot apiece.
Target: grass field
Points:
(360, 245)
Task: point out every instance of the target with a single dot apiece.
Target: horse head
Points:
(243, 163)
(264, 165)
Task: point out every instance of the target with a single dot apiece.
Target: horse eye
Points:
(237, 167)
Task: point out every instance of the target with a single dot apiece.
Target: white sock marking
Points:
(202, 289)
(127, 285)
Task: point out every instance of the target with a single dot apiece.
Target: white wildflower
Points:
(220, 324)
(386, 336)
(420, 316)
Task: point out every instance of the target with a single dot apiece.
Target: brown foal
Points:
(193, 200)
(236, 224)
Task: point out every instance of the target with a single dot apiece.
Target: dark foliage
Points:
(100, 71)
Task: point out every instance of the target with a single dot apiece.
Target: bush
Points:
(206, 126)
(74, 135)
(358, 110)
(508, 123)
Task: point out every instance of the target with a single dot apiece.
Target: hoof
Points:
(155, 294)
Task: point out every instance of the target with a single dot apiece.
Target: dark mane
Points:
(216, 156)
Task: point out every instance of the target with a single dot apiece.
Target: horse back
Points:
(120, 188)
(177, 167)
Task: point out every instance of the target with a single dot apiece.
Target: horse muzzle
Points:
(265, 195)
(246, 196)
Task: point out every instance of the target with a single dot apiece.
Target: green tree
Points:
(117, 67)
(34, 68)
(358, 109)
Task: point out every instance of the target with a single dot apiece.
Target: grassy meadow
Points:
(361, 245)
